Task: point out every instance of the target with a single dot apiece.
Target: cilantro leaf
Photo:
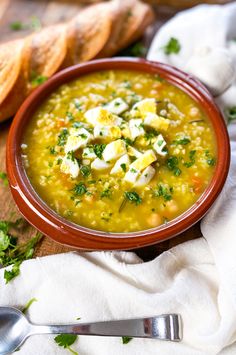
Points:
(62, 137)
(172, 164)
(79, 189)
(36, 79)
(85, 170)
(133, 197)
(172, 46)
(126, 340)
(98, 150)
(182, 141)
(191, 161)
(11, 273)
(3, 177)
(66, 340)
(163, 191)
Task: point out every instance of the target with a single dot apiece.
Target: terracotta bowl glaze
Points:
(65, 232)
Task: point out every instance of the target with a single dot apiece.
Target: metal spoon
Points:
(15, 328)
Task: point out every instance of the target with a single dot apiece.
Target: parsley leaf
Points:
(190, 163)
(182, 141)
(106, 193)
(163, 191)
(66, 340)
(79, 189)
(3, 177)
(62, 137)
(133, 197)
(126, 340)
(173, 46)
(36, 80)
(123, 167)
(85, 170)
(98, 150)
(172, 164)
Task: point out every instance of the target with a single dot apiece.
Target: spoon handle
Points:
(163, 327)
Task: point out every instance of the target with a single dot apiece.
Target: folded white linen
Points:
(196, 279)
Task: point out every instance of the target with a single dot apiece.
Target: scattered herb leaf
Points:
(79, 189)
(66, 340)
(126, 340)
(62, 137)
(85, 170)
(182, 141)
(172, 164)
(230, 114)
(163, 191)
(172, 46)
(3, 177)
(28, 304)
(191, 161)
(98, 150)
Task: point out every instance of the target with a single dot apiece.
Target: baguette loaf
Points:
(98, 31)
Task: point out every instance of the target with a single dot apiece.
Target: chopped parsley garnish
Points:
(85, 170)
(150, 134)
(126, 340)
(3, 177)
(172, 164)
(62, 137)
(106, 193)
(66, 340)
(133, 197)
(123, 167)
(98, 150)
(52, 150)
(11, 254)
(172, 47)
(77, 124)
(128, 141)
(79, 189)
(163, 191)
(77, 105)
(127, 84)
(230, 114)
(209, 159)
(191, 161)
(182, 141)
(70, 116)
(83, 135)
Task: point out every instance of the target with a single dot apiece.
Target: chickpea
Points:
(194, 112)
(172, 206)
(154, 220)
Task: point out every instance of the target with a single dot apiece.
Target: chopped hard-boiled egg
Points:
(78, 138)
(102, 117)
(157, 122)
(143, 107)
(107, 132)
(144, 160)
(136, 128)
(114, 150)
(146, 176)
(70, 166)
(133, 152)
(88, 153)
(131, 175)
(117, 106)
(159, 145)
(125, 131)
(99, 164)
(122, 164)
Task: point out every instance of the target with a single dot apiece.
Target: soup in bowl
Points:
(122, 148)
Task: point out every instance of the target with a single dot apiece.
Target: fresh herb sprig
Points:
(172, 47)
(66, 340)
(126, 340)
(3, 177)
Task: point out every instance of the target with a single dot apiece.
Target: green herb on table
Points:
(191, 161)
(79, 189)
(163, 191)
(182, 141)
(126, 340)
(98, 150)
(66, 340)
(37, 79)
(85, 170)
(3, 177)
(172, 47)
(172, 164)
(230, 113)
(17, 26)
(28, 304)
(62, 137)
(35, 23)
(12, 254)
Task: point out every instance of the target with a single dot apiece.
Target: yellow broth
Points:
(97, 199)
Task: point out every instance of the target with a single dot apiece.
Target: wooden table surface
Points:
(50, 12)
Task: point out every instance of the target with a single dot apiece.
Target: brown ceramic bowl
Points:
(63, 231)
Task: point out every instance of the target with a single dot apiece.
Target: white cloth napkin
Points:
(196, 279)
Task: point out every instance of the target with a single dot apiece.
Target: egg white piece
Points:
(135, 127)
(146, 176)
(133, 152)
(70, 166)
(99, 164)
(117, 167)
(114, 150)
(78, 138)
(102, 117)
(159, 144)
(107, 132)
(88, 153)
(157, 122)
(141, 108)
(117, 106)
(131, 175)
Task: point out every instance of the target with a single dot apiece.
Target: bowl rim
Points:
(63, 231)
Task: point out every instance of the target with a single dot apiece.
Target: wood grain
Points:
(50, 12)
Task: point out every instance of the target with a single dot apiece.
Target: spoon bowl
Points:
(14, 329)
